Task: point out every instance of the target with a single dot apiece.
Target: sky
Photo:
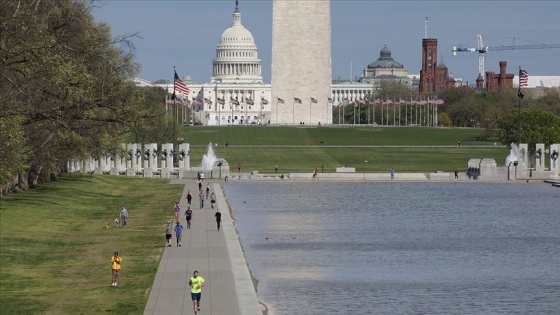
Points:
(185, 33)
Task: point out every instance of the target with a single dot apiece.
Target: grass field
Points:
(55, 252)
(302, 149)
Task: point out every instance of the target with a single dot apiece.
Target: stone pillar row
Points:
(137, 160)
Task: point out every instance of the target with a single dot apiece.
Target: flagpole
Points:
(382, 110)
(368, 111)
(354, 111)
(293, 110)
(519, 97)
(310, 111)
(373, 110)
(405, 113)
(359, 112)
(174, 118)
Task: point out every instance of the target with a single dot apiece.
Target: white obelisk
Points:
(301, 61)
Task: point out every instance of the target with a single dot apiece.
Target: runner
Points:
(178, 233)
(168, 233)
(196, 282)
(212, 200)
(188, 215)
(218, 216)
(116, 268)
(189, 198)
(177, 210)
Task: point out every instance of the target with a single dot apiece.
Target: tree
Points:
(538, 126)
(14, 151)
(68, 83)
(444, 120)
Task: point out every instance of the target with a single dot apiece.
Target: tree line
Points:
(66, 91)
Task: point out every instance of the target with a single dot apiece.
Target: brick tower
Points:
(301, 62)
(429, 66)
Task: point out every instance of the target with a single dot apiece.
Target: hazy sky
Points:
(185, 33)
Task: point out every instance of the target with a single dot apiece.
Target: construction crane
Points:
(482, 50)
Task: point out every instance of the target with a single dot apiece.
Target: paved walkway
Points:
(217, 256)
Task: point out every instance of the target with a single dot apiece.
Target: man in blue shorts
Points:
(196, 282)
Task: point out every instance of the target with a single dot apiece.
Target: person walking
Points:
(201, 199)
(456, 174)
(212, 200)
(189, 198)
(188, 215)
(168, 233)
(116, 261)
(207, 191)
(177, 210)
(392, 171)
(239, 167)
(276, 168)
(124, 216)
(178, 233)
(200, 186)
(196, 283)
(218, 216)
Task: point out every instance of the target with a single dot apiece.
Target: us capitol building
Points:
(236, 93)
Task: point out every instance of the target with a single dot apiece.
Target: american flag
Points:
(180, 85)
(362, 101)
(197, 102)
(264, 101)
(234, 101)
(330, 100)
(207, 101)
(249, 101)
(313, 100)
(280, 101)
(345, 101)
(523, 78)
(297, 100)
(221, 101)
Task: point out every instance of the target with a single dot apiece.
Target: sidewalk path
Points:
(217, 256)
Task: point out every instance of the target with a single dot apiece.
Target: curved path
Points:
(218, 257)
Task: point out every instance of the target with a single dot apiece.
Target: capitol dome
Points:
(236, 55)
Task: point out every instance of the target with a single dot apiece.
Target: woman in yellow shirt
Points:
(116, 261)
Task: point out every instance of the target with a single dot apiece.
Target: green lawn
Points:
(55, 252)
(410, 149)
(256, 135)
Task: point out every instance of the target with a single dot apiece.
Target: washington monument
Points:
(301, 62)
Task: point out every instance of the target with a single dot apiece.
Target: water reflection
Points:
(402, 248)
